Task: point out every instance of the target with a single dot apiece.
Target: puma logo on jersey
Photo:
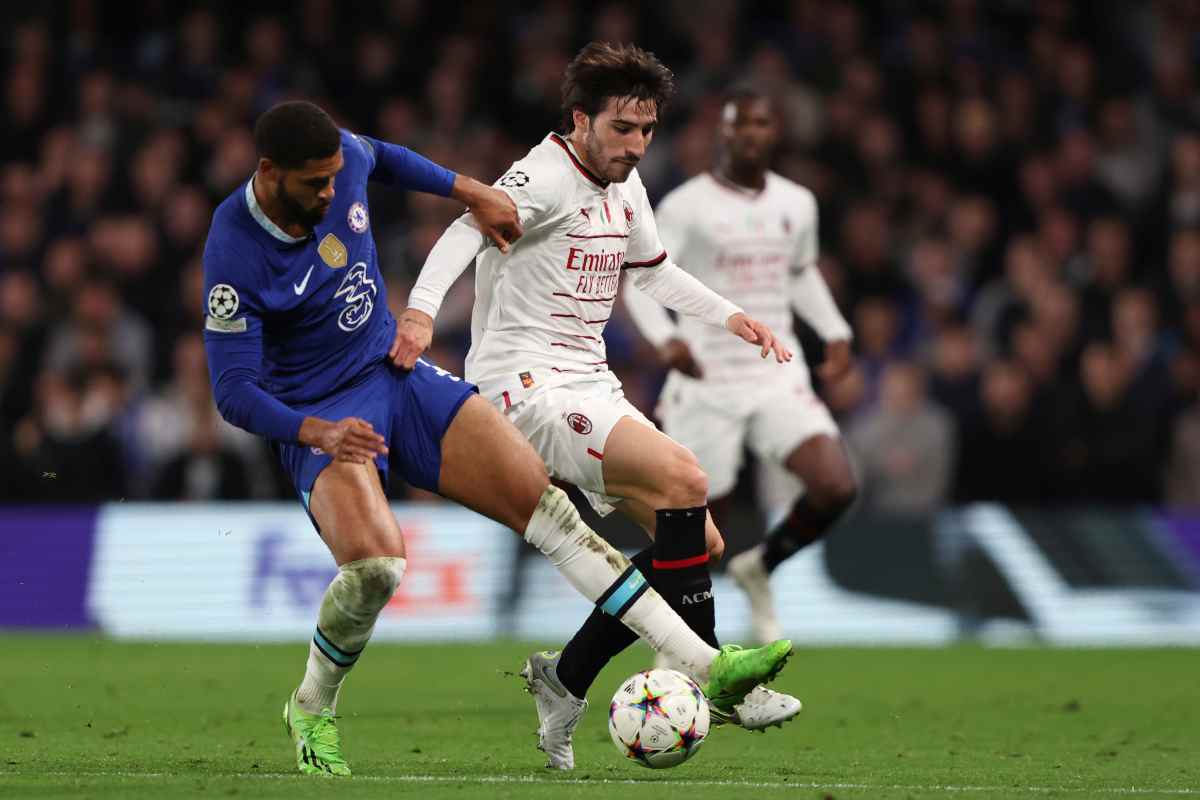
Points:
(299, 288)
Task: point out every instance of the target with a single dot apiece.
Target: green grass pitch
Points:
(89, 718)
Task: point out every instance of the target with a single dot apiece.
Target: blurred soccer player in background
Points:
(752, 236)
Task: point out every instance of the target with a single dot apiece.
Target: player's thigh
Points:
(647, 518)
(490, 467)
(805, 439)
(352, 513)
(644, 464)
(715, 434)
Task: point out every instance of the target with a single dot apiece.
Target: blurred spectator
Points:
(1000, 441)
(904, 448)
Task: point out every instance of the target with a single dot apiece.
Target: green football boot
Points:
(735, 672)
(318, 744)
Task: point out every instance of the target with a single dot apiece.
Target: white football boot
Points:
(763, 708)
(748, 571)
(558, 710)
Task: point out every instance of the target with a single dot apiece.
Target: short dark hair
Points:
(745, 92)
(602, 70)
(294, 132)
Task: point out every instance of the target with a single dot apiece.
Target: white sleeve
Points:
(815, 305)
(534, 187)
(648, 315)
(675, 289)
(448, 259)
(810, 295)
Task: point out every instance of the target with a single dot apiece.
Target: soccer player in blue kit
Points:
(303, 351)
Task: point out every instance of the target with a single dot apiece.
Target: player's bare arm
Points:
(494, 211)
(838, 360)
(414, 331)
(675, 354)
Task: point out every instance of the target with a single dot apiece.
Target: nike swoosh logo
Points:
(302, 285)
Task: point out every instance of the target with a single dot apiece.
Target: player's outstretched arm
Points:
(449, 258)
(815, 305)
(494, 211)
(397, 165)
(674, 288)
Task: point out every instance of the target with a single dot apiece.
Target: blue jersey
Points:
(291, 321)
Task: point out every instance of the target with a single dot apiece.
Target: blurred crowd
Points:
(1009, 196)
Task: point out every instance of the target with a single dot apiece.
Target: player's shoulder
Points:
(357, 149)
(234, 240)
(543, 164)
(697, 188)
(791, 191)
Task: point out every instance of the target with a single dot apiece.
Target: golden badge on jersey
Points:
(332, 251)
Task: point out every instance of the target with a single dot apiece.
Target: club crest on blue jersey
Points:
(359, 292)
(357, 218)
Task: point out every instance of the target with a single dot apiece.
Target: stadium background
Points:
(1010, 218)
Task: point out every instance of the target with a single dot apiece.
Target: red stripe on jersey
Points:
(588, 299)
(681, 563)
(607, 213)
(654, 262)
(581, 319)
(570, 346)
(584, 171)
(595, 455)
(575, 335)
(597, 236)
(507, 401)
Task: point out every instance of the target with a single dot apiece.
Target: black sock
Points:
(677, 567)
(803, 525)
(681, 568)
(600, 638)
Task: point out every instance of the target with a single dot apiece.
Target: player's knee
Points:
(834, 493)
(685, 484)
(716, 549)
(369, 583)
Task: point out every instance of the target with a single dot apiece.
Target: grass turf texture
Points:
(84, 717)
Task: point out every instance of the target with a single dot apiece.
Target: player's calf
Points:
(347, 616)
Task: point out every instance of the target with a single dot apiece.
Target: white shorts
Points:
(718, 422)
(568, 426)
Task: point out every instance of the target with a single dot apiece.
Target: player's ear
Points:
(269, 169)
(582, 121)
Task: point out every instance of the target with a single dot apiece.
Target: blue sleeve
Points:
(233, 342)
(393, 164)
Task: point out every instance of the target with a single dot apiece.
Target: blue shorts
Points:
(410, 410)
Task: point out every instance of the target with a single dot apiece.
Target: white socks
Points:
(344, 624)
(603, 575)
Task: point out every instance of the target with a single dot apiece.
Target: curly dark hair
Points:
(294, 132)
(602, 70)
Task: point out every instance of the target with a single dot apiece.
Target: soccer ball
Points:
(658, 718)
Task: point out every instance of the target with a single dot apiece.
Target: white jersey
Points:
(746, 246)
(540, 310)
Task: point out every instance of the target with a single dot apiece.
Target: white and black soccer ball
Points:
(658, 718)
(223, 301)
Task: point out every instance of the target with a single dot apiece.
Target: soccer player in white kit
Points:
(538, 354)
(751, 235)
